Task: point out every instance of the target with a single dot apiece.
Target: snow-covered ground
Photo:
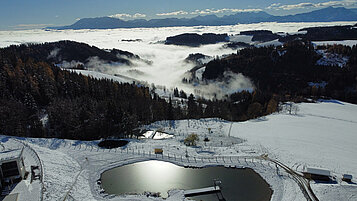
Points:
(331, 59)
(98, 75)
(321, 134)
(270, 43)
(342, 42)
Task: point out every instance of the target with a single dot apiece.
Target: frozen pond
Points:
(158, 176)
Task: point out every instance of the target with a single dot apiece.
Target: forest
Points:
(39, 99)
(287, 70)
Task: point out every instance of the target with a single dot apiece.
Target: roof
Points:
(318, 171)
(10, 154)
(347, 176)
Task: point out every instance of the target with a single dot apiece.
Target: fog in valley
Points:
(160, 64)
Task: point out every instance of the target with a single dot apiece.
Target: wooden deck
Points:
(202, 191)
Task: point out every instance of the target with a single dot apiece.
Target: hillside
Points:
(39, 99)
(288, 70)
(58, 52)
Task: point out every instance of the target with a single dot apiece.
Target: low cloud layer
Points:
(231, 83)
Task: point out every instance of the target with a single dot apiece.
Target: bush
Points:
(191, 140)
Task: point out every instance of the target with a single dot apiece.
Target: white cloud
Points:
(180, 12)
(120, 15)
(224, 10)
(209, 11)
(274, 6)
(127, 16)
(202, 12)
(139, 15)
(246, 10)
(345, 3)
(297, 6)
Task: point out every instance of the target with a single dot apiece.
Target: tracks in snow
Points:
(301, 181)
(327, 117)
(66, 196)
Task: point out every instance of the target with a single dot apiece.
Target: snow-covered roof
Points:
(162, 135)
(10, 154)
(318, 171)
(147, 134)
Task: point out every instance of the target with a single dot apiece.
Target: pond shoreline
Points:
(154, 178)
(253, 164)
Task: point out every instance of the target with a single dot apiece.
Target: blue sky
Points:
(25, 14)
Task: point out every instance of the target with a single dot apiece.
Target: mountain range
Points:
(328, 14)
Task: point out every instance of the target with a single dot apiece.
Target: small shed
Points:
(317, 174)
(12, 165)
(347, 178)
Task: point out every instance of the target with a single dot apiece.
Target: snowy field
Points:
(319, 135)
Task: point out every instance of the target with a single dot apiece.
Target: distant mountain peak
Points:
(328, 14)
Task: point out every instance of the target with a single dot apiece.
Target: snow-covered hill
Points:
(321, 134)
